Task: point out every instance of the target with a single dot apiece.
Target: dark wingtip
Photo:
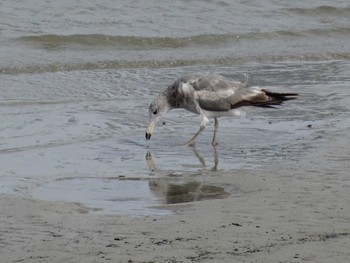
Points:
(148, 136)
(278, 98)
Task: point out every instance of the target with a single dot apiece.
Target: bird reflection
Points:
(172, 190)
(152, 165)
(201, 160)
(150, 161)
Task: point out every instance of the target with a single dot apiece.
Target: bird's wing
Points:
(226, 100)
(215, 100)
(211, 82)
(215, 92)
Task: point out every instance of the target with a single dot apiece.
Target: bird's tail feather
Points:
(274, 99)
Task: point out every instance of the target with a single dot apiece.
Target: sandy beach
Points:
(282, 214)
(79, 182)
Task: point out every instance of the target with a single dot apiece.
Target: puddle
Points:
(126, 196)
(172, 193)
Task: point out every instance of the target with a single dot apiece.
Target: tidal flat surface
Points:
(76, 80)
(63, 140)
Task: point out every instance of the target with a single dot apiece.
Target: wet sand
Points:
(286, 212)
(76, 79)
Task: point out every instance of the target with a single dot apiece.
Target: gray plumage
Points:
(211, 96)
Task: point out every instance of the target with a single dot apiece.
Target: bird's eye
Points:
(155, 112)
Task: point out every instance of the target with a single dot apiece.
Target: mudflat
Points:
(76, 80)
(288, 212)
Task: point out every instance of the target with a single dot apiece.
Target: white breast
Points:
(217, 114)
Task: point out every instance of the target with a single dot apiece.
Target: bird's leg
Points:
(216, 160)
(216, 126)
(204, 122)
(192, 142)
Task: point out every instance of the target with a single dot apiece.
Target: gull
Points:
(211, 96)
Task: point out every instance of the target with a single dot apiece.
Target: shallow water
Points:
(76, 80)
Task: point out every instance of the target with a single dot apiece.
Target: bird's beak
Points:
(150, 130)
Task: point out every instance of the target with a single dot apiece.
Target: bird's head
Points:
(157, 109)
